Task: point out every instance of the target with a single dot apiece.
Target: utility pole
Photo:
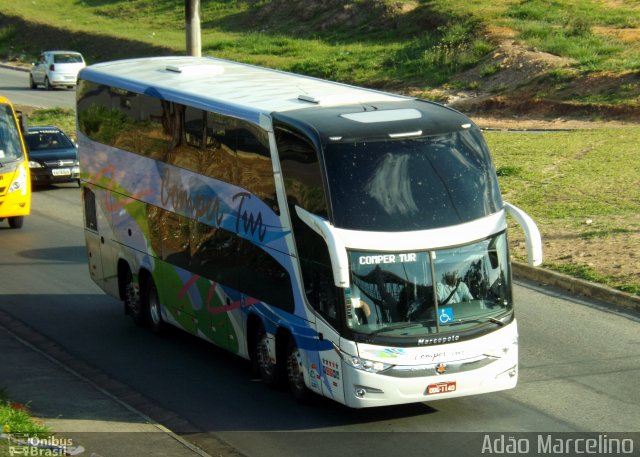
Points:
(192, 20)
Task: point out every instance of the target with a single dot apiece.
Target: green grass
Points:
(16, 419)
(570, 174)
(568, 28)
(362, 50)
(63, 118)
(579, 186)
(421, 45)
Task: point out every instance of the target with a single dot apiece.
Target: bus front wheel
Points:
(267, 367)
(295, 372)
(16, 221)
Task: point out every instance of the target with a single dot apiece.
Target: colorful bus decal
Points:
(186, 193)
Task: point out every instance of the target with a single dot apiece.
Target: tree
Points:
(192, 20)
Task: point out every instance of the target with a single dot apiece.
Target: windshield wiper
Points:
(402, 326)
(479, 320)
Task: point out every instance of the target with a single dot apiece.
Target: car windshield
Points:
(67, 58)
(10, 146)
(47, 140)
(411, 184)
(426, 292)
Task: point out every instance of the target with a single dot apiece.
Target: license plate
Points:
(441, 388)
(61, 172)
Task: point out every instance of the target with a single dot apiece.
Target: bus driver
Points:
(452, 289)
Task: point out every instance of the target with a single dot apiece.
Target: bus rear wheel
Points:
(154, 309)
(133, 303)
(267, 367)
(295, 374)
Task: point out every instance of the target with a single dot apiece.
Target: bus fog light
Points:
(361, 391)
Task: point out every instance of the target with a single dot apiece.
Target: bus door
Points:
(94, 239)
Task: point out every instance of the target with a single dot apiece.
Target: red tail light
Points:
(52, 67)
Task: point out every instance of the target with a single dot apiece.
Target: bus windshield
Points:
(425, 292)
(10, 145)
(411, 184)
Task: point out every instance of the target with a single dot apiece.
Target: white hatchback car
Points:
(55, 69)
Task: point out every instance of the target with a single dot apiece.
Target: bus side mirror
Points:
(22, 121)
(533, 240)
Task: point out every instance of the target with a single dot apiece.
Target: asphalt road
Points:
(15, 86)
(580, 364)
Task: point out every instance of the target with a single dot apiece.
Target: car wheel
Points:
(269, 370)
(32, 83)
(152, 304)
(47, 84)
(16, 221)
(295, 374)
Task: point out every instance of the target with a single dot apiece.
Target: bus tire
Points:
(152, 305)
(133, 303)
(268, 370)
(295, 376)
(16, 221)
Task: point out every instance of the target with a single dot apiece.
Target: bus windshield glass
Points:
(426, 292)
(411, 184)
(10, 145)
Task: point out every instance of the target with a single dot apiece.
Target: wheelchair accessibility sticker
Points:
(446, 315)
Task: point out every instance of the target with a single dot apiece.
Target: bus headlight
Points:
(20, 182)
(358, 363)
(365, 365)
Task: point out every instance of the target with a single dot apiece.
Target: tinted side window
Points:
(220, 256)
(301, 172)
(317, 274)
(221, 147)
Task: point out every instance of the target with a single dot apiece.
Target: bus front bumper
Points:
(363, 389)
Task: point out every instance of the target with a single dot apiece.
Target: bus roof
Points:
(247, 92)
(201, 81)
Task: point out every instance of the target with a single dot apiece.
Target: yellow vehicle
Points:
(15, 182)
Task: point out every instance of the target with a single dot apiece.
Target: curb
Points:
(14, 67)
(577, 286)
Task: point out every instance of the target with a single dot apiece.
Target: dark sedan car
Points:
(53, 157)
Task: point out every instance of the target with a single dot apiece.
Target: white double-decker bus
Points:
(349, 242)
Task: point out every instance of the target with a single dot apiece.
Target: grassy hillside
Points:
(553, 58)
(586, 52)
